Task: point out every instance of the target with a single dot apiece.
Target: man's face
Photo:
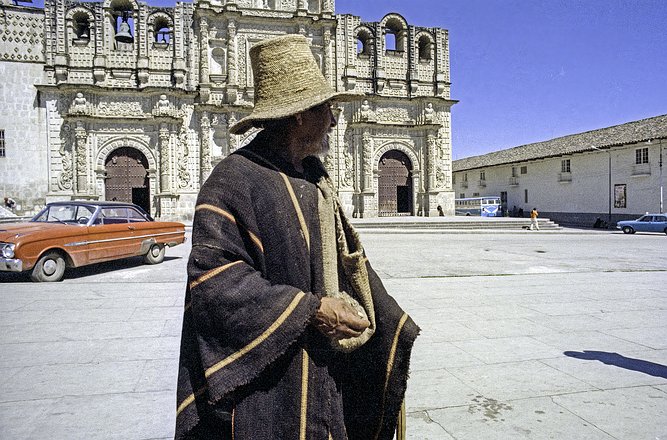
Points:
(317, 122)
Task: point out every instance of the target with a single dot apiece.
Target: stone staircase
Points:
(457, 223)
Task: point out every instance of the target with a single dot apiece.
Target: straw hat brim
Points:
(273, 112)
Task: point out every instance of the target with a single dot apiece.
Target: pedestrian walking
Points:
(533, 219)
(288, 333)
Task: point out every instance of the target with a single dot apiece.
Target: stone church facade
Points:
(126, 101)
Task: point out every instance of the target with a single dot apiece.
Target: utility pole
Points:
(662, 206)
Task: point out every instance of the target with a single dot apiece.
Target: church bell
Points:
(123, 35)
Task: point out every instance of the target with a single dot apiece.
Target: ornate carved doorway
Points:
(127, 177)
(395, 193)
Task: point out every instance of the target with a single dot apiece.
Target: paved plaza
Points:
(525, 335)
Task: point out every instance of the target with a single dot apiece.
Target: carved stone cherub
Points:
(79, 104)
(429, 114)
(162, 107)
(365, 112)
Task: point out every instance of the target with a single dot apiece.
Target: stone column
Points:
(183, 175)
(205, 166)
(326, 54)
(220, 135)
(178, 37)
(81, 137)
(431, 158)
(367, 171)
(232, 63)
(413, 60)
(65, 180)
(203, 54)
(142, 38)
(165, 159)
(233, 140)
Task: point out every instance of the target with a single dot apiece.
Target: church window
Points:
(81, 25)
(425, 48)
(313, 6)
(364, 43)
(123, 24)
(162, 31)
(390, 40)
(394, 36)
(2, 143)
(218, 64)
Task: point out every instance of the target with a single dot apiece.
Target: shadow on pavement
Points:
(84, 271)
(621, 361)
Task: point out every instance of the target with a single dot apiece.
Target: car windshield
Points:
(65, 214)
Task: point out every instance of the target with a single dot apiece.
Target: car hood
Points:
(14, 232)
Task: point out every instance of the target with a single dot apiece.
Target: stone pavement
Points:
(525, 335)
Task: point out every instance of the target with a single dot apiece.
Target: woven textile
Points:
(249, 357)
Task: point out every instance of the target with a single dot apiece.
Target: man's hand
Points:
(339, 320)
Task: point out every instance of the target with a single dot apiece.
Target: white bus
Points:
(488, 206)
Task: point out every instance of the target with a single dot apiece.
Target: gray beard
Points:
(325, 148)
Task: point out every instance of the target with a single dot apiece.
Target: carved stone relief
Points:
(66, 174)
(394, 115)
(119, 109)
(183, 174)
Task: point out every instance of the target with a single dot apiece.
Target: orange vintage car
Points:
(73, 234)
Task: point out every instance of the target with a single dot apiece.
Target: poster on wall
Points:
(619, 196)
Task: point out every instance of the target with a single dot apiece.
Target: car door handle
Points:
(131, 228)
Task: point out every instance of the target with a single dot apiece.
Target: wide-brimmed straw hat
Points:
(287, 81)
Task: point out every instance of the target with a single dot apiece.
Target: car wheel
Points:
(628, 230)
(155, 254)
(51, 267)
(665, 230)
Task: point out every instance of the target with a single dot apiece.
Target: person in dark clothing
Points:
(288, 333)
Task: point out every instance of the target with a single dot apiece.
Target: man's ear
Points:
(299, 119)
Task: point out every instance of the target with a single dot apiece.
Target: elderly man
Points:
(288, 332)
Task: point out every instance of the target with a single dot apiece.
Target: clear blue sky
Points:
(531, 70)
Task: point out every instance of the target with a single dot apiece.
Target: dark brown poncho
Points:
(255, 279)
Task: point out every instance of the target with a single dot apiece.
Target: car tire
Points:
(665, 230)
(155, 254)
(49, 268)
(628, 230)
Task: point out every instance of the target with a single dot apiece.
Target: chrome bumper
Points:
(11, 265)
